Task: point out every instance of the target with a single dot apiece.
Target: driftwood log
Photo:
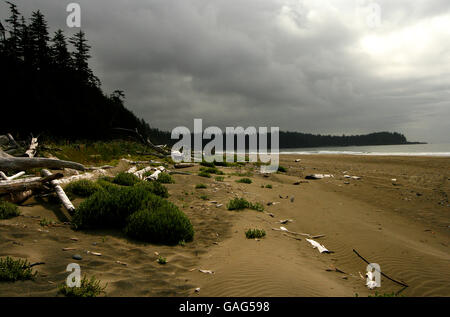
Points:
(60, 192)
(3, 177)
(31, 152)
(22, 185)
(8, 163)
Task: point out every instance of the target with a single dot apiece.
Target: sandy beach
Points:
(403, 225)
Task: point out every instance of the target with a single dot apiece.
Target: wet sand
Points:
(401, 225)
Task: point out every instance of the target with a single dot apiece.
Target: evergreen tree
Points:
(59, 52)
(14, 27)
(40, 39)
(80, 58)
(25, 48)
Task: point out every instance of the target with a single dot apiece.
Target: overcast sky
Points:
(310, 66)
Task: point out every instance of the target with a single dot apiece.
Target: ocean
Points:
(391, 150)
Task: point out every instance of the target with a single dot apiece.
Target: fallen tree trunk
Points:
(24, 163)
(27, 183)
(89, 176)
(60, 192)
(4, 154)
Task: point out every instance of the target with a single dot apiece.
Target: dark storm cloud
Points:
(312, 66)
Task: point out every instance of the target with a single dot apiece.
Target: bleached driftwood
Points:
(31, 152)
(155, 175)
(26, 184)
(24, 163)
(89, 176)
(283, 229)
(141, 172)
(10, 178)
(104, 167)
(140, 162)
(60, 192)
(132, 170)
(318, 246)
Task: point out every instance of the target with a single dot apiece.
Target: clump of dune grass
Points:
(269, 186)
(282, 169)
(255, 233)
(243, 174)
(219, 178)
(200, 186)
(204, 197)
(83, 188)
(207, 164)
(211, 170)
(165, 178)
(44, 222)
(88, 288)
(8, 210)
(204, 174)
(126, 179)
(393, 294)
(15, 270)
(244, 180)
(242, 203)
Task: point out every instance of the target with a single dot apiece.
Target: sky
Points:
(317, 66)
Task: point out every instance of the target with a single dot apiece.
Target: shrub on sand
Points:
(163, 224)
(126, 179)
(165, 178)
(255, 233)
(15, 270)
(200, 186)
(242, 203)
(282, 169)
(204, 174)
(88, 288)
(111, 209)
(83, 188)
(154, 187)
(244, 180)
(8, 210)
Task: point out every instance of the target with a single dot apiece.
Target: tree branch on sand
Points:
(9, 163)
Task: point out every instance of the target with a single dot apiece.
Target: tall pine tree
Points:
(40, 39)
(80, 58)
(14, 27)
(59, 52)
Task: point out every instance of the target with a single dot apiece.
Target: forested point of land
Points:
(50, 90)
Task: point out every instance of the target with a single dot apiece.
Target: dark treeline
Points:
(296, 139)
(49, 89)
(306, 140)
